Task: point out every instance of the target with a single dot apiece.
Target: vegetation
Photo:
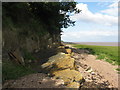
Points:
(14, 71)
(118, 69)
(108, 53)
(38, 17)
(28, 55)
(33, 19)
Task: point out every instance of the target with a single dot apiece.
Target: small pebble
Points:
(93, 73)
(44, 80)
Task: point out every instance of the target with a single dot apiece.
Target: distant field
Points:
(96, 43)
(108, 53)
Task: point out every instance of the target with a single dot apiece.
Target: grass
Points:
(12, 71)
(108, 53)
(118, 69)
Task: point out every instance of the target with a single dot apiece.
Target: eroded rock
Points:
(59, 61)
(65, 63)
(69, 51)
(68, 75)
(73, 85)
(61, 66)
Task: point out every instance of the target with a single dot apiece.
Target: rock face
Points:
(12, 41)
(62, 66)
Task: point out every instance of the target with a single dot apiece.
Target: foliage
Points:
(108, 53)
(33, 18)
(52, 15)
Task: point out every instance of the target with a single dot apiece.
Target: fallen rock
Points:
(59, 61)
(93, 73)
(68, 75)
(73, 85)
(61, 47)
(59, 82)
(53, 59)
(68, 51)
(62, 66)
(65, 63)
(89, 69)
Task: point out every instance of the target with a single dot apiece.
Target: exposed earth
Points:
(96, 74)
(100, 73)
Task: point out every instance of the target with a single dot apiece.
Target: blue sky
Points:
(98, 22)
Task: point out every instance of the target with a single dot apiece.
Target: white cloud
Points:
(112, 10)
(92, 33)
(96, 26)
(96, 0)
(97, 18)
(114, 5)
(88, 35)
(102, 4)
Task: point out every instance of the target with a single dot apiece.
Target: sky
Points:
(98, 22)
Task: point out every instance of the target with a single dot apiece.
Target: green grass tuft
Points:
(118, 69)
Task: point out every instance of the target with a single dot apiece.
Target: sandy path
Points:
(104, 68)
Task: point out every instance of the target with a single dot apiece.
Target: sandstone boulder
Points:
(73, 85)
(65, 63)
(59, 61)
(69, 51)
(68, 75)
(61, 66)
(61, 47)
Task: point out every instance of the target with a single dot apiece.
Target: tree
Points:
(52, 14)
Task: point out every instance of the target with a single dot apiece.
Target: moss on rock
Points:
(68, 75)
(59, 61)
(65, 63)
(62, 66)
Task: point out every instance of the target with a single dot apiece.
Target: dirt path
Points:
(97, 71)
(38, 80)
(104, 68)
